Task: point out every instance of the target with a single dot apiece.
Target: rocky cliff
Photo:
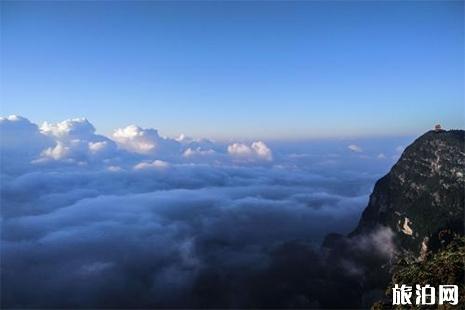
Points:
(422, 198)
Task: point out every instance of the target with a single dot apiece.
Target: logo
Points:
(425, 295)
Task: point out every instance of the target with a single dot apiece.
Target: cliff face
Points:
(423, 196)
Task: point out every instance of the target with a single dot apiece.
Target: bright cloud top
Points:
(257, 150)
(157, 164)
(74, 141)
(142, 141)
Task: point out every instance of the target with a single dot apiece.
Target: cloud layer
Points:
(141, 220)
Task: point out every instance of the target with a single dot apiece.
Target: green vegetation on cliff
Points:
(447, 266)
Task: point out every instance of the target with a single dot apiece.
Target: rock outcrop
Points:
(422, 198)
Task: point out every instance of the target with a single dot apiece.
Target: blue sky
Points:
(237, 69)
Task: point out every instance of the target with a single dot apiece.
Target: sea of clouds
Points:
(136, 219)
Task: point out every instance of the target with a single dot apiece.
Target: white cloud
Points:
(190, 152)
(239, 149)
(12, 118)
(380, 240)
(355, 148)
(262, 150)
(75, 141)
(257, 150)
(145, 141)
(71, 128)
(381, 156)
(98, 147)
(182, 138)
(156, 164)
(59, 151)
(136, 139)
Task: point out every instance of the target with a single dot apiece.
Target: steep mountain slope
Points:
(422, 198)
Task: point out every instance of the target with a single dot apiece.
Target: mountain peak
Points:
(423, 193)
